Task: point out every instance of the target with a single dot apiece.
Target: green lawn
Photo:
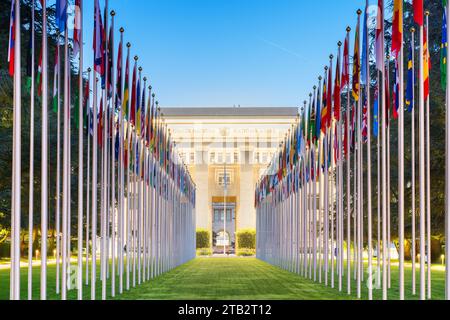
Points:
(227, 278)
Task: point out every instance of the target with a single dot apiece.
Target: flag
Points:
(55, 82)
(110, 63)
(30, 57)
(426, 66)
(126, 91)
(143, 104)
(61, 15)
(329, 94)
(395, 97)
(346, 63)
(375, 113)
(323, 121)
(409, 96)
(39, 75)
(119, 78)
(98, 42)
(312, 121)
(356, 65)
(318, 117)
(12, 38)
(379, 36)
(397, 28)
(77, 28)
(138, 108)
(444, 50)
(133, 97)
(100, 126)
(337, 89)
(364, 58)
(418, 11)
(387, 96)
(364, 129)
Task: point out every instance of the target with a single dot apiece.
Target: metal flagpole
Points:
(44, 153)
(31, 179)
(388, 179)
(94, 189)
(113, 164)
(88, 176)
(326, 184)
(348, 158)
(428, 177)
(401, 167)
(121, 168)
(58, 169)
(447, 173)
(80, 161)
(422, 165)
(16, 185)
(413, 172)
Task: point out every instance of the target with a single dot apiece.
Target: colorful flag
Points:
(110, 63)
(426, 66)
(126, 91)
(312, 121)
(409, 96)
(396, 92)
(397, 28)
(345, 81)
(356, 64)
(143, 113)
(133, 97)
(77, 28)
(324, 116)
(55, 82)
(379, 37)
(138, 108)
(318, 117)
(329, 95)
(444, 50)
(98, 43)
(364, 129)
(418, 12)
(39, 76)
(337, 89)
(61, 15)
(375, 113)
(12, 38)
(119, 78)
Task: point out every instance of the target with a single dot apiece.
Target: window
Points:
(212, 157)
(216, 215)
(236, 157)
(192, 158)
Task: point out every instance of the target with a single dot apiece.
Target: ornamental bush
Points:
(203, 239)
(246, 239)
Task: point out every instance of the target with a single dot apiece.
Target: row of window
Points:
(259, 157)
(218, 215)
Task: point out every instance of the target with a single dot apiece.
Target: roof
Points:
(229, 112)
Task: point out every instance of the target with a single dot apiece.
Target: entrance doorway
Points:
(224, 227)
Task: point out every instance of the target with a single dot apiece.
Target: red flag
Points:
(346, 63)
(397, 27)
(98, 43)
(426, 66)
(77, 28)
(418, 11)
(337, 90)
(329, 95)
(12, 39)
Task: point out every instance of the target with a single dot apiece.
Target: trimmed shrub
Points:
(246, 239)
(204, 252)
(246, 252)
(203, 239)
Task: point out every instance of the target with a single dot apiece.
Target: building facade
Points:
(227, 150)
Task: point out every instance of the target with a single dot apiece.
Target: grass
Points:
(227, 279)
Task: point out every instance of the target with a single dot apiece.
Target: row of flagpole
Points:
(315, 150)
(147, 196)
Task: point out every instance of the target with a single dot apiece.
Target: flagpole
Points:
(80, 161)
(44, 155)
(413, 171)
(31, 179)
(58, 169)
(384, 168)
(16, 174)
(121, 168)
(112, 167)
(388, 175)
(422, 166)
(428, 177)
(94, 189)
(88, 176)
(447, 172)
(401, 167)
(326, 197)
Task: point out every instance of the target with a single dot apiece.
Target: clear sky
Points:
(221, 53)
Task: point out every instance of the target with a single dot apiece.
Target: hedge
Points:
(246, 239)
(203, 239)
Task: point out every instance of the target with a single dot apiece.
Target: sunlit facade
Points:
(227, 147)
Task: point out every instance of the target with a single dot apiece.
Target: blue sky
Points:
(221, 53)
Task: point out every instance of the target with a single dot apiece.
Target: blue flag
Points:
(61, 15)
(375, 113)
(409, 96)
